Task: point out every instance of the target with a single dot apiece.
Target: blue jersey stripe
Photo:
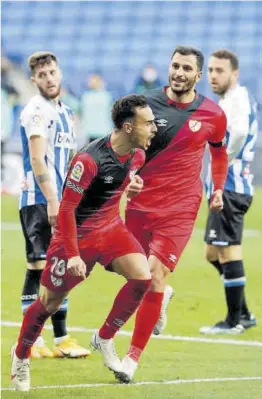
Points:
(227, 137)
(248, 139)
(239, 178)
(24, 199)
(26, 155)
(230, 181)
(66, 150)
(57, 162)
(66, 161)
(59, 134)
(247, 189)
(65, 124)
(26, 166)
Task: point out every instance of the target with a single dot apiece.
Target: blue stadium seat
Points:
(85, 46)
(14, 15)
(64, 32)
(93, 10)
(116, 29)
(42, 13)
(90, 29)
(12, 31)
(123, 36)
(30, 47)
(120, 12)
(114, 45)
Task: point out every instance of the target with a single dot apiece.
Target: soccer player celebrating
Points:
(48, 137)
(90, 230)
(224, 229)
(162, 217)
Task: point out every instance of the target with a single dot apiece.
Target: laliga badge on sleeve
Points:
(37, 120)
(77, 171)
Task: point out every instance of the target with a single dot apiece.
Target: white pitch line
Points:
(247, 232)
(166, 337)
(172, 382)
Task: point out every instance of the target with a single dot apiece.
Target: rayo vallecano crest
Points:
(194, 125)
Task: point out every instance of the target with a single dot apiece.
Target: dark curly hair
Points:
(125, 108)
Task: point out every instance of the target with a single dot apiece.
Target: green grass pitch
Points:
(198, 301)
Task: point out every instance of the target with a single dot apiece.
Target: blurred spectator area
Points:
(117, 39)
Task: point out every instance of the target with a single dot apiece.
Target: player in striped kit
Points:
(224, 230)
(47, 138)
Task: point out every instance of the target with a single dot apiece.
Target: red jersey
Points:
(174, 159)
(92, 192)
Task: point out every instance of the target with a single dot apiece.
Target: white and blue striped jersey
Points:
(241, 136)
(55, 122)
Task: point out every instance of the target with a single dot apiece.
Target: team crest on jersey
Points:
(77, 171)
(132, 173)
(194, 125)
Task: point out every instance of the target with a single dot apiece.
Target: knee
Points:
(230, 253)
(51, 305)
(234, 270)
(211, 253)
(141, 271)
(158, 281)
(157, 277)
(146, 275)
(38, 265)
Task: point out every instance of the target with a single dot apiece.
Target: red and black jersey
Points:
(93, 189)
(174, 159)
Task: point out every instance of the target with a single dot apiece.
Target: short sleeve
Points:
(33, 121)
(82, 170)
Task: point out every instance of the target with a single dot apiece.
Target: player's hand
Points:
(217, 203)
(76, 267)
(52, 211)
(134, 187)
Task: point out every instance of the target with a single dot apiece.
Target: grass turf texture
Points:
(198, 301)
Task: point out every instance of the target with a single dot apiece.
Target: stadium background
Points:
(116, 40)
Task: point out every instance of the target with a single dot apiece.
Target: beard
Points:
(50, 96)
(222, 89)
(187, 87)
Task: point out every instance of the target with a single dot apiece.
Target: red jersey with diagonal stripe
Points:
(174, 160)
(92, 192)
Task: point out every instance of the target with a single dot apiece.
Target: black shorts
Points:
(226, 227)
(36, 230)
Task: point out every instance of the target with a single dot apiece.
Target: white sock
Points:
(58, 340)
(39, 341)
